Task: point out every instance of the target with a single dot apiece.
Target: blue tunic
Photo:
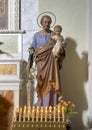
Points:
(40, 39)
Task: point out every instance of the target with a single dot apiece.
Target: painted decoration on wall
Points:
(9, 14)
(9, 69)
(10, 46)
(3, 14)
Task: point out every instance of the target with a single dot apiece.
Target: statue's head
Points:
(46, 21)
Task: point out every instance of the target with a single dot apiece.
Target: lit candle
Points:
(50, 112)
(25, 108)
(63, 113)
(29, 109)
(54, 114)
(20, 113)
(37, 113)
(46, 113)
(33, 113)
(24, 115)
(50, 109)
(16, 113)
(58, 113)
(41, 114)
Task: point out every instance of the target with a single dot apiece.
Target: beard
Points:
(46, 28)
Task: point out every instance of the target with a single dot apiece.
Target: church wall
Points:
(10, 56)
(73, 16)
(29, 13)
(90, 64)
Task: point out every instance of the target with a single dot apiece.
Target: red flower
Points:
(73, 105)
(69, 102)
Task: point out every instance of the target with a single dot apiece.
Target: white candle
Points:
(54, 114)
(33, 113)
(41, 114)
(50, 109)
(20, 113)
(50, 112)
(37, 113)
(16, 113)
(28, 115)
(29, 109)
(46, 113)
(24, 115)
(25, 108)
(58, 113)
(63, 113)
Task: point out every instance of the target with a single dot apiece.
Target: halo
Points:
(53, 17)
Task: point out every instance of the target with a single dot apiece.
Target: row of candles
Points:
(39, 113)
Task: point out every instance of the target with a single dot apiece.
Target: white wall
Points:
(90, 64)
(73, 16)
(29, 13)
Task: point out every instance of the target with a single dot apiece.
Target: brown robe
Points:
(48, 70)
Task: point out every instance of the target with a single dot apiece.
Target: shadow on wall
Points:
(74, 75)
(6, 110)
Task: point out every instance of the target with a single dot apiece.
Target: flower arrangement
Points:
(69, 107)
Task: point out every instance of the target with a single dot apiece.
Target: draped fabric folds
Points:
(48, 70)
